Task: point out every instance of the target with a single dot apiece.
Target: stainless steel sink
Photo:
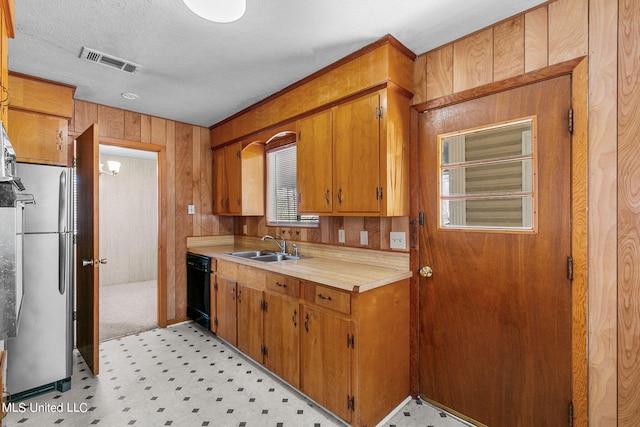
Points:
(251, 254)
(264, 256)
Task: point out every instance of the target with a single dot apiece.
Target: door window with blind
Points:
(282, 192)
(487, 178)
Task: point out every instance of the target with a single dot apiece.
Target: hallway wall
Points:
(129, 221)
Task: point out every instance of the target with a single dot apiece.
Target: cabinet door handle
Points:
(294, 319)
(233, 293)
(306, 322)
(239, 295)
(326, 197)
(328, 298)
(281, 285)
(340, 195)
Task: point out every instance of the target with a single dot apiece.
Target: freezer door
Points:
(52, 189)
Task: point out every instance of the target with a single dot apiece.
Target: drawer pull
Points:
(328, 298)
(282, 285)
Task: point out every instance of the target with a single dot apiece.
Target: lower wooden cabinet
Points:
(348, 351)
(326, 347)
(282, 337)
(226, 310)
(250, 305)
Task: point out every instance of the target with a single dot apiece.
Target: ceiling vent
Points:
(108, 60)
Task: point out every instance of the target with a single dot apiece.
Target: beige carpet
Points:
(128, 308)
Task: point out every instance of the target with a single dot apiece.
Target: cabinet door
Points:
(233, 167)
(220, 197)
(226, 310)
(357, 156)
(282, 338)
(325, 372)
(314, 164)
(38, 138)
(250, 323)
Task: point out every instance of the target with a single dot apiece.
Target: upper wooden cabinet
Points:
(353, 159)
(314, 168)
(238, 179)
(38, 119)
(352, 122)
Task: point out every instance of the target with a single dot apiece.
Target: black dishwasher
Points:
(198, 288)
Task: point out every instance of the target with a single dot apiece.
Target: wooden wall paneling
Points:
(628, 215)
(170, 231)
(568, 30)
(159, 131)
(372, 227)
(145, 128)
(440, 72)
(206, 184)
(84, 115)
(184, 197)
(132, 126)
(420, 79)
(579, 245)
(536, 39)
(603, 133)
(196, 229)
(473, 60)
(508, 48)
(111, 122)
(352, 228)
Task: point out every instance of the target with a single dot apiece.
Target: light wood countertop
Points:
(340, 274)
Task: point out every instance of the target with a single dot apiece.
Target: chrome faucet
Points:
(282, 245)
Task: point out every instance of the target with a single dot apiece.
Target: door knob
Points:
(426, 271)
(87, 262)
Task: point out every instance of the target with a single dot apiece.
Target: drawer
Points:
(251, 276)
(283, 285)
(328, 297)
(227, 269)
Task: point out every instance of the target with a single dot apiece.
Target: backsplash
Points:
(377, 228)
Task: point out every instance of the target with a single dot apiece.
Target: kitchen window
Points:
(282, 191)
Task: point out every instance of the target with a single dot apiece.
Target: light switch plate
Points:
(244, 228)
(341, 237)
(364, 238)
(398, 240)
(191, 209)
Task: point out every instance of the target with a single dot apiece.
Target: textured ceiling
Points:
(200, 72)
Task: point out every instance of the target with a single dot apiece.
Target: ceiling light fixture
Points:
(114, 168)
(222, 11)
(129, 95)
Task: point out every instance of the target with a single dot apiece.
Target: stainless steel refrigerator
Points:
(40, 356)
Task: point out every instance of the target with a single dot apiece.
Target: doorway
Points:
(495, 305)
(129, 240)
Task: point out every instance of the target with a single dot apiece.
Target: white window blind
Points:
(282, 192)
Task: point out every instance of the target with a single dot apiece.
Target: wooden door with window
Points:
(495, 313)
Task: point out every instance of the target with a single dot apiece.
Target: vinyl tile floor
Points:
(185, 376)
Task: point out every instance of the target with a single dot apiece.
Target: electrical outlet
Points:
(341, 238)
(244, 228)
(398, 240)
(364, 238)
(191, 209)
